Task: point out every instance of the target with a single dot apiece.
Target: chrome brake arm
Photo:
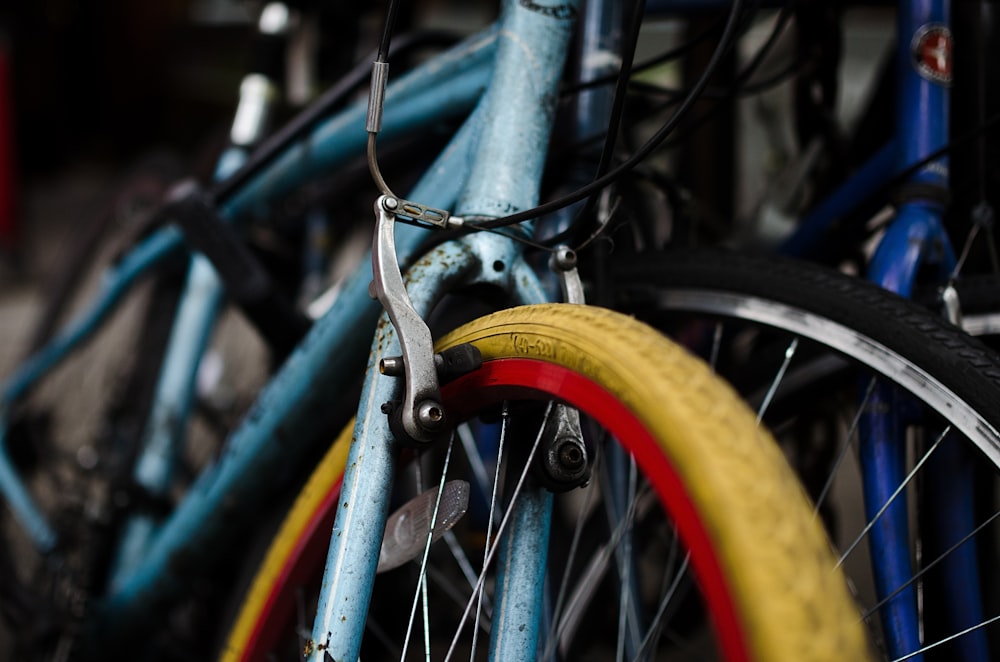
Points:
(566, 459)
(421, 413)
(563, 262)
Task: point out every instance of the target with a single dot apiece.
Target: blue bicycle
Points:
(484, 467)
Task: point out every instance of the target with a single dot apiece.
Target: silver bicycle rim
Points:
(850, 343)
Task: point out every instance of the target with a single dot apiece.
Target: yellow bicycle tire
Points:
(772, 555)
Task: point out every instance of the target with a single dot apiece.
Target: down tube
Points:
(272, 435)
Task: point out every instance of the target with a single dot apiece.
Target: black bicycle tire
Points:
(967, 367)
(657, 287)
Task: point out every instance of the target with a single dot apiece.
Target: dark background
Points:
(108, 79)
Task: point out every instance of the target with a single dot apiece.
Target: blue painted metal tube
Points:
(618, 471)
(368, 478)
(600, 36)
(519, 108)
(951, 515)
(599, 43)
(915, 239)
(922, 95)
(367, 486)
(447, 87)
(166, 428)
(816, 226)
(521, 569)
(274, 432)
(22, 505)
(359, 525)
(682, 7)
(116, 283)
(334, 142)
(505, 178)
(882, 452)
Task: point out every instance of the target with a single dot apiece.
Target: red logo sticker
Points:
(932, 53)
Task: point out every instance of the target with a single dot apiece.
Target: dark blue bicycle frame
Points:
(915, 248)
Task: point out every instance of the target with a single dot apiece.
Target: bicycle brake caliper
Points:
(565, 462)
(420, 418)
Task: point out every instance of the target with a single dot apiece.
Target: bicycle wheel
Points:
(761, 562)
(816, 352)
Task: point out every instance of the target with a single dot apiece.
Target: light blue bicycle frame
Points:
(473, 175)
(512, 125)
(491, 167)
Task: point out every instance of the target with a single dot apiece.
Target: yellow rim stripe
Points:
(327, 474)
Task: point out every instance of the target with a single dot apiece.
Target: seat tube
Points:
(924, 70)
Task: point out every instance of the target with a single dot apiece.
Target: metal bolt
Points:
(391, 366)
(564, 258)
(571, 455)
(389, 203)
(430, 414)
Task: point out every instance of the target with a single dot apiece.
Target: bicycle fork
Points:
(515, 116)
(915, 241)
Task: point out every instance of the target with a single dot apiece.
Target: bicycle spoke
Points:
(590, 578)
(789, 353)
(623, 552)
(426, 615)
(422, 581)
(464, 564)
(964, 255)
(574, 547)
(713, 359)
(494, 544)
(947, 639)
(652, 633)
(476, 592)
(892, 497)
(444, 582)
(383, 638)
(871, 611)
(473, 455)
(848, 444)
